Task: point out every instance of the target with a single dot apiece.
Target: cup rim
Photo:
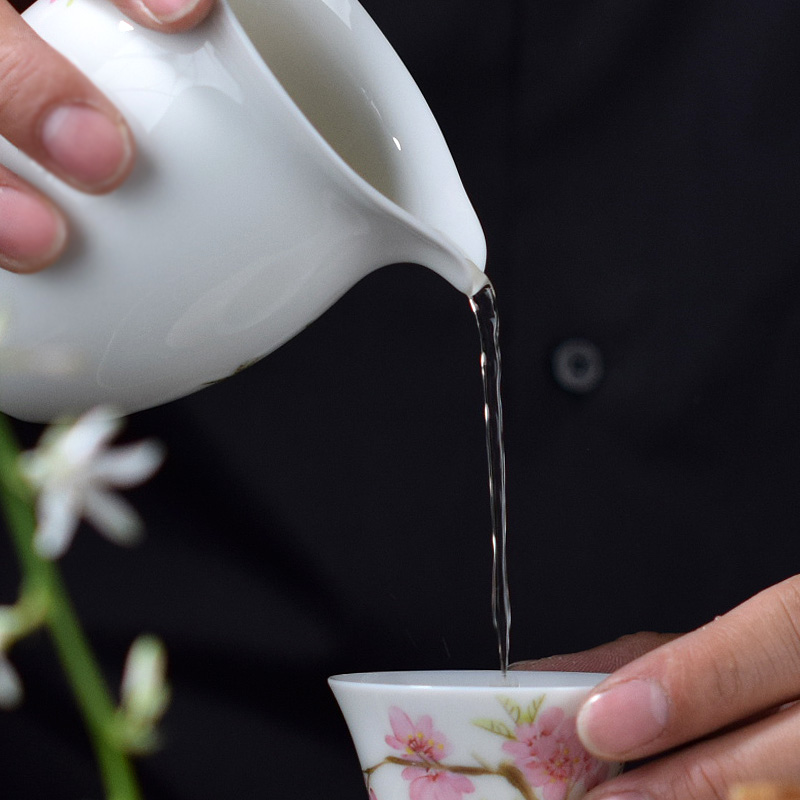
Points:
(451, 679)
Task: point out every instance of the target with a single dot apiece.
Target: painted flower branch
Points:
(429, 773)
(43, 495)
(546, 754)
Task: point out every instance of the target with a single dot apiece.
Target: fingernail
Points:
(167, 11)
(32, 232)
(622, 719)
(92, 149)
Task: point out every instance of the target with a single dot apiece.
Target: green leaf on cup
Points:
(495, 726)
(512, 709)
(532, 710)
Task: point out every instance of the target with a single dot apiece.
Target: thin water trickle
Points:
(484, 306)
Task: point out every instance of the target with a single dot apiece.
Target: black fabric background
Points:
(635, 165)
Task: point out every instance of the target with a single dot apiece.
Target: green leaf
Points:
(495, 726)
(531, 712)
(512, 709)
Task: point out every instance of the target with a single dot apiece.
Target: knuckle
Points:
(716, 657)
(701, 780)
(789, 607)
(790, 600)
(727, 677)
(18, 72)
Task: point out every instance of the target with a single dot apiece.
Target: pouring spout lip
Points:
(463, 270)
(480, 279)
(437, 251)
(465, 275)
(471, 252)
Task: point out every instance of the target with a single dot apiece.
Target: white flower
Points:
(10, 683)
(74, 469)
(144, 690)
(144, 694)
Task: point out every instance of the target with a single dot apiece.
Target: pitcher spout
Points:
(382, 144)
(467, 277)
(451, 244)
(452, 263)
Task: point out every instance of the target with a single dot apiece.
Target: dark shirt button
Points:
(577, 366)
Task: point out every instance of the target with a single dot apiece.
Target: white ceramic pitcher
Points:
(284, 153)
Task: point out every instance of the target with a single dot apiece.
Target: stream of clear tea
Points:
(484, 306)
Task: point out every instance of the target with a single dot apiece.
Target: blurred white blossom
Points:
(16, 622)
(11, 692)
(144, 693)
(74, 471)
(10, 683)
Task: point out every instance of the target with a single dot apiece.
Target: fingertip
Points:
(92, 148)
(621, 721)
(170, 16)
(33, 233)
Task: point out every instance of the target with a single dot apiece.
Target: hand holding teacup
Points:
(710, 711)
(52, 112)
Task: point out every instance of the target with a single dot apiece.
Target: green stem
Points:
(80, 666)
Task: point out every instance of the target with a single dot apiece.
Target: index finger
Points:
(52, 112)
(743, 663)
(166, 15)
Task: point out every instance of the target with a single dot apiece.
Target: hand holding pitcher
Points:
(52, 112)
(283, 153)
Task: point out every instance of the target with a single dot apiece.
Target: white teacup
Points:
(456, 734)
(284, 153)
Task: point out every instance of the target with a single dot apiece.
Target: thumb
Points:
(604, 658)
